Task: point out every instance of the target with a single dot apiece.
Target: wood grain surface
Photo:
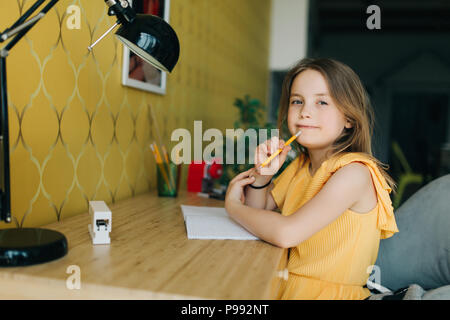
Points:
(150, 257)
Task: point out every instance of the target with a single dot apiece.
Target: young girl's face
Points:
(311, 105)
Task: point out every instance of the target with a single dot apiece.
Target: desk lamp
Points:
(148, 36)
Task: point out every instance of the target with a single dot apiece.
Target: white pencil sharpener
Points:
(100, 227)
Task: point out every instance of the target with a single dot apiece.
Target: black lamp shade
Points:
(152, 39)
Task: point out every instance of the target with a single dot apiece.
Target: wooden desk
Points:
(150, 257)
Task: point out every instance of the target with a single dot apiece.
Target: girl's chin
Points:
(311, 145)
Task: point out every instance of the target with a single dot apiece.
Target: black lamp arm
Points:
(24, 31)
(120, 8)
(22, 19)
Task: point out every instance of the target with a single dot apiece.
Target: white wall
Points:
(289, 29)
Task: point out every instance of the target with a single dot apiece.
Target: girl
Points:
(334, 197)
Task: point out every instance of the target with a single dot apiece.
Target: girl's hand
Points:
(235, 190)
(264, 151)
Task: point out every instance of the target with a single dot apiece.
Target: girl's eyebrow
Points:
(317, 94)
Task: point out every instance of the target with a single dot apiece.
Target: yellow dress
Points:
(335, 262)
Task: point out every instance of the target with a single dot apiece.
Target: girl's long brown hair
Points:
(350, 98)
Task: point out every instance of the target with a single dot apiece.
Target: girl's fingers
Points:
(275, 143)
(260, 152)
(242, 175)
(265, 152)
(286, 149)
(264, 148)
(246, 181)
(269, 146)
(252, 173)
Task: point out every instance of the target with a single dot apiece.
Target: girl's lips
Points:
(307, 127)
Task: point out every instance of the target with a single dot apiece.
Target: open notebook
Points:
(212, 223)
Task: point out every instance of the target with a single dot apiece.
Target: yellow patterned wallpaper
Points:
(77, 134)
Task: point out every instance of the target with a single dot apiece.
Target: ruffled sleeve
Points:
(282, 181)
(386, 219)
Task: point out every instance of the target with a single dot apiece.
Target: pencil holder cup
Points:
(167, 177)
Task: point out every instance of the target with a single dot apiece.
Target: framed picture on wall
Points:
(136, 72)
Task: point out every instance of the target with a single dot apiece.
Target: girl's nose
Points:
(305, 112)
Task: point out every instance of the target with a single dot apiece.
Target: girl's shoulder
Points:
(371, 164)
(338, 161)
(358, 168)
(352, 166)
(386, 220)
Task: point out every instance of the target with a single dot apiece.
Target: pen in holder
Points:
(167, 176)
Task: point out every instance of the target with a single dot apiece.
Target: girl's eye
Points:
(300, 102)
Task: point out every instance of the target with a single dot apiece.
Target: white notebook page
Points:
(212, 223)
